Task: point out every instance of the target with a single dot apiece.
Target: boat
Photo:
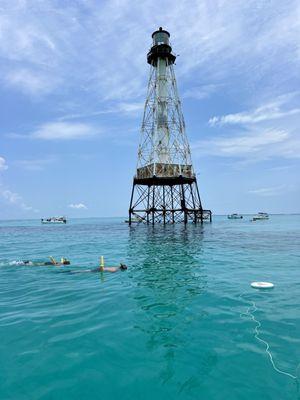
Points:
(54, 220)
(234, 216)
(261, 216)
(134, 220)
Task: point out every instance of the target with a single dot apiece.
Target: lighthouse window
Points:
(161, 38)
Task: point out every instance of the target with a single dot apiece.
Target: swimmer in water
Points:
(121, 267)
(63, 261)
(102, 268)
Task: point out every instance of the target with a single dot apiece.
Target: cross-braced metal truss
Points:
(163, 137)
(167, 204)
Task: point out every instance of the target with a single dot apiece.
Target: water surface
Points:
(167, 328)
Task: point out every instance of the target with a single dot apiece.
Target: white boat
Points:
(134, 220)
(260, 216)
(234, 216)
(54, 220)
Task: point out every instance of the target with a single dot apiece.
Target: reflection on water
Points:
(168, 278)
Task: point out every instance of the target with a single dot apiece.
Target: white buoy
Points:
(262, 285)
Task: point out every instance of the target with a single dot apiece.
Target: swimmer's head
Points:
(123, 266)
(64, 261)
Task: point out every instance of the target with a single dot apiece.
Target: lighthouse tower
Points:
(165, 187)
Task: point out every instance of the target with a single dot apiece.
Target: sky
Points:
(73, 81)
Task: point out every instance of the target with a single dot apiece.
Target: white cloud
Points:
(78, 206)
(31, 81)
(201, 92)
(3, 165)
(281, 168)
(45, 44)
(16, 200)
(267, 112)
(12, 197)
(63, 131)
(269, 191)
(253, 143)
(253, 138)
(127, 108)
(36, 164)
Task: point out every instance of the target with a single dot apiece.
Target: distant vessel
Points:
(234, 216)
(134, 220)
(260, 216)
(54, 220)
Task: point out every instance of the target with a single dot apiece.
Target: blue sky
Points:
(73, 82)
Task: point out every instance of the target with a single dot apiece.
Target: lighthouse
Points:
(165, 188)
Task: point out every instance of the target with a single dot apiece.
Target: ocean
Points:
(182, 322)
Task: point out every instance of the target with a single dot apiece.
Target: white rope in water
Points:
(249, 313)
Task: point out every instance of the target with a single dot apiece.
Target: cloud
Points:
(253, 137)
(42, 44)
(3, 165)
(16, 200)
(201, 92)
(12, 197)
(281, 168)
(257, 143)
(35, 165)
(127, 108)
(267, 112)
(31, 81)
(269, 191)
(60, 131)
(78, 206)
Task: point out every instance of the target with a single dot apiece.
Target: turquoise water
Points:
(176, 325)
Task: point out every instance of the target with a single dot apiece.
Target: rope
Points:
(250, 313)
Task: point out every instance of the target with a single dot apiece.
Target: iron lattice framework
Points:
(165, 186)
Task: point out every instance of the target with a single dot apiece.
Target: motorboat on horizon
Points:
(135, 220)
(234, 216)
(261, 216)
(54, 220)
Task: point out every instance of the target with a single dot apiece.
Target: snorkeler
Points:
(121, 267)
(63, 261)
(101, 268)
